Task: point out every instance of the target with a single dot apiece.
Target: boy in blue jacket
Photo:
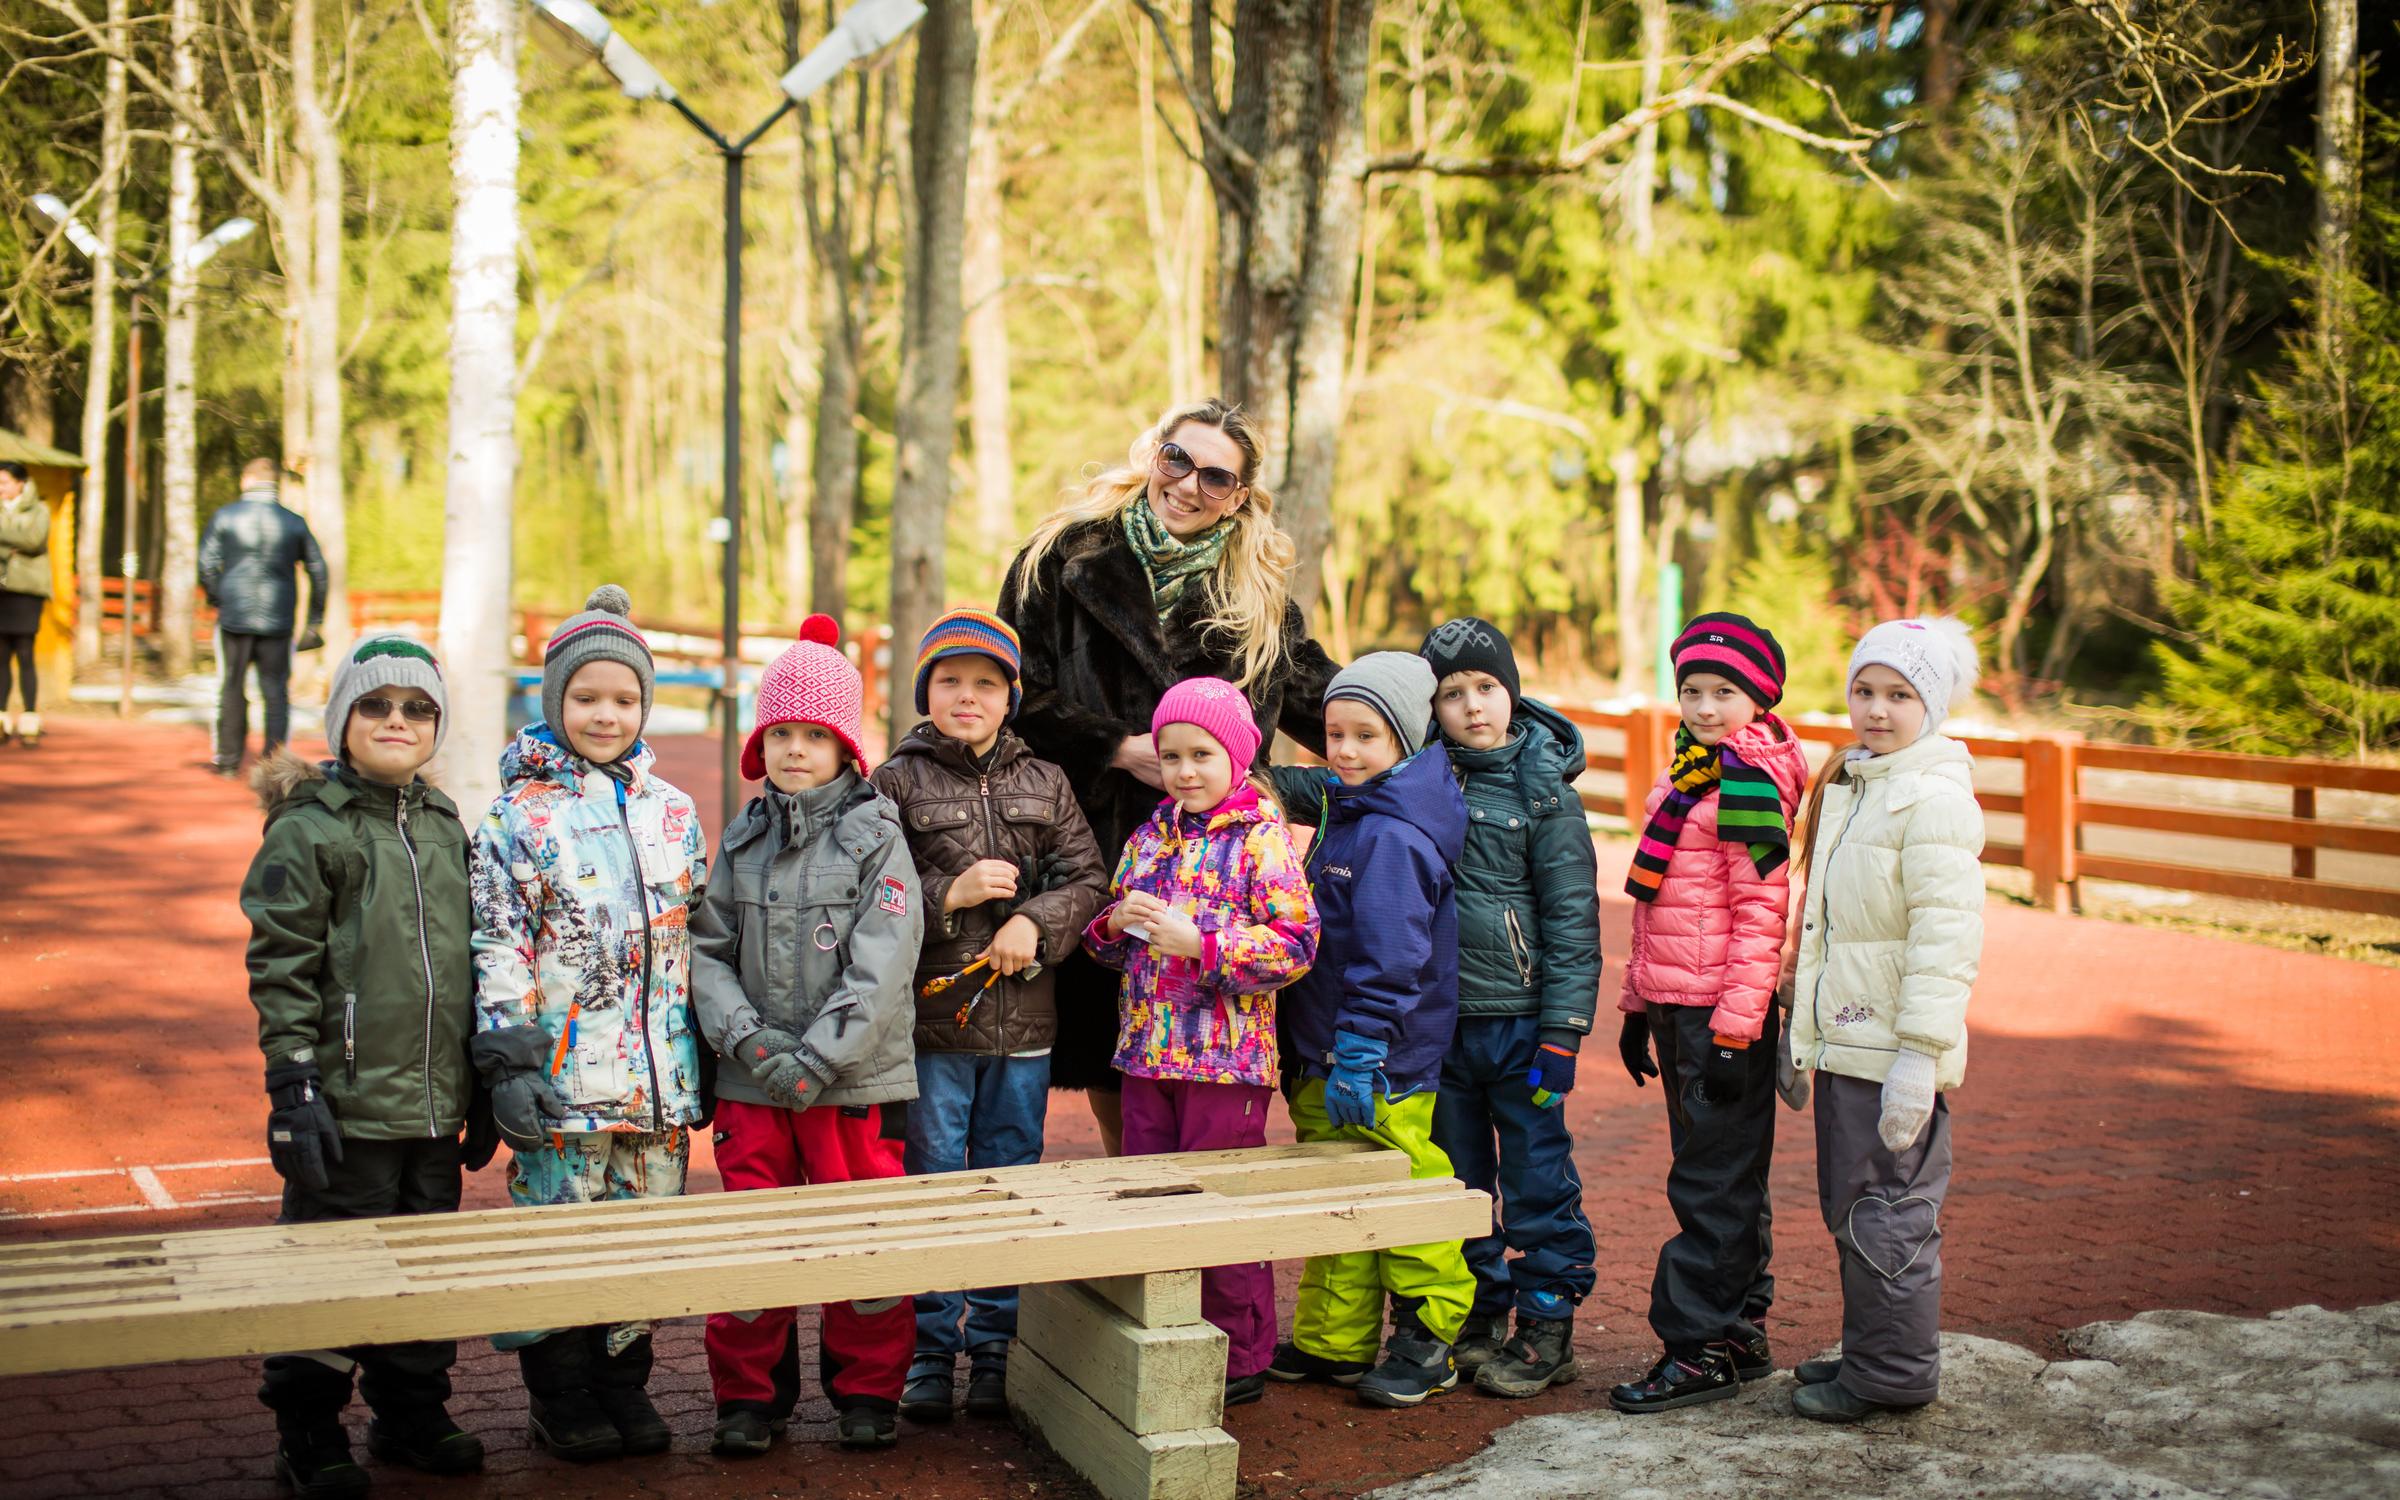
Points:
(1366, 1030)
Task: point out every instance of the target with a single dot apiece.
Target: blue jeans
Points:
(1500, 1141)
(973, 1110)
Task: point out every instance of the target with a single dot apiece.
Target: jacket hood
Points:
(1768, 744)
(538, 755)
(928, 743)
(283, 781)
(1543, 745)
(1241, 807)
(1934, 755)
(1420, 791)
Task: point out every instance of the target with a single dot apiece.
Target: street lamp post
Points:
(864, 29)
(203, 250)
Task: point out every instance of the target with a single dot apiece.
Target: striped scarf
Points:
(1749, 811)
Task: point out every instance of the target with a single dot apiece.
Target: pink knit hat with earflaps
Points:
(1217, 709)
(812, 682)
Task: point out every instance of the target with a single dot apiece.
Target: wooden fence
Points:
(2057, 812)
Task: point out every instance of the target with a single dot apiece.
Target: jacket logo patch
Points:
(1341, 870)
(274, 881)
(892, 896)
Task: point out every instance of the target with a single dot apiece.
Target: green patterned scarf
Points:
(1173, 566)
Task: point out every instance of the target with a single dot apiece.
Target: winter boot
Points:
(1415, 1365)
(867, 1424)
(1479, 1338)
(1831, 1401)
(743, 1431)
(1817, 1371)
(425, 1440)
(1293, 1363)
(562, 1414)
(620, 1383)
(1753, 1358)
(1680, 1380)
(1540, 1356)
(928, 1396)
(987, 1379)
(314, 1462)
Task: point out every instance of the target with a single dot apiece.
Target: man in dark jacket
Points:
(246, 560)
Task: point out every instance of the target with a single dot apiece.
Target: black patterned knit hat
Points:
(1467, 644)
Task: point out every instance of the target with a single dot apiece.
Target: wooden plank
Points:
(2264, 828)
(332, 1285)
(1198, 1464)
(1169, 1300)
(2318, 893)
(2275, 770)
(1149, 1379)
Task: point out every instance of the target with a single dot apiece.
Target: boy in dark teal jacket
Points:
(1529, 976)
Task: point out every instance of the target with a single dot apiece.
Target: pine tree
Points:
(2294, 609)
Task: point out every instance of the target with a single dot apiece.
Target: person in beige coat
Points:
(24, 594)
(1889, 938)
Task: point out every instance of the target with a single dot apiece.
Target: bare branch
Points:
(1204, 109)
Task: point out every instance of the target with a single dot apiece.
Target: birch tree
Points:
(478, 513)
(92, 511)
(179, 433)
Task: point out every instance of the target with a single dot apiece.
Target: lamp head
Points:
(863, 30)
(50, 206)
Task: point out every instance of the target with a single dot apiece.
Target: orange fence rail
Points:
(2057, 813)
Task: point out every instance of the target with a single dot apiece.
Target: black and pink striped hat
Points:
(1736, 648)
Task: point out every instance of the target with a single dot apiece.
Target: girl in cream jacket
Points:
(1890, 935)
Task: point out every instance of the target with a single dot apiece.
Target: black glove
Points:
(1552, 1076)
(301, 1130)
(482, 1141)
(1633, 1045)
(1725, 1072)
(311, 639)
(514, 1063)
(778, 1060)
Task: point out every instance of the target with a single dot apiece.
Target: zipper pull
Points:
(350, 1036)
(984, 785)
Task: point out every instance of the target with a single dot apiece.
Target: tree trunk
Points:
(982, 277)
(1640, 183)
(478, 553)
(179, 558)
(833, 478)
(2337, 157)
(801, 379)
(327, 513)
(1321, 346)
(1937, 90)
(92, 493)
(1637, 232)
(1278, 81)
(1632, 660)
(926, 418)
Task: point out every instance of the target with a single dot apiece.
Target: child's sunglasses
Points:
(416, 710)
(1215, 483)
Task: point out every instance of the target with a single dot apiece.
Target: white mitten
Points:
(1907, 1100)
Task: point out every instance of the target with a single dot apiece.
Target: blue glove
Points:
(1356, 1079)
(1552, 1076)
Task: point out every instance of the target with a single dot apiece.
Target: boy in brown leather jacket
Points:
(1011, 875)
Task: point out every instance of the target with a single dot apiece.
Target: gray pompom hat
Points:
(1396, 684)
(601, 633)
(383, 660)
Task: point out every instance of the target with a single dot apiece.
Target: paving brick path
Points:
(2151, 1120)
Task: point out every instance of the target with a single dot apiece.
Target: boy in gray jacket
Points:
(804, 949)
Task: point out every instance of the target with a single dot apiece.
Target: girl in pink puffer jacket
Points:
(1711, 893)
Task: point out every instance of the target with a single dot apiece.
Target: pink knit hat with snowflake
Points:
(1217, 709)
(811, 683)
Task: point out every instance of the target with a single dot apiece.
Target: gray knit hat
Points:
(601, 633)
(384, 660)
(1396, 684)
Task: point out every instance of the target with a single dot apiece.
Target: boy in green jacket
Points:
(364, 1010)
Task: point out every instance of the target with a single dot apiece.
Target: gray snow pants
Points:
(1885, 1214)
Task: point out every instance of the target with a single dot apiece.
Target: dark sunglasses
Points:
(416, 710)
(1215, 483)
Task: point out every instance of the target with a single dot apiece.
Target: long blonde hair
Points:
(1251, 588)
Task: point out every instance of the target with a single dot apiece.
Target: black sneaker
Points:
(1415, 1365)
(1752, 1357)
(865, 1426)
(1293, 1363)
(1540, 1356)
(429, 1442)
(1479, 1338)
(742, 1432)
(316, 1464)
(1679, 1380)
(987, 1381)
(1241, 1390)
(1817, 1371)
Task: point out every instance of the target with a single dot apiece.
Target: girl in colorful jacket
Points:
(1891, 936)
(583, 874)
(1711, 891)
(1210, 916)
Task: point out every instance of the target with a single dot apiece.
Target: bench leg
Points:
(1122, 1379)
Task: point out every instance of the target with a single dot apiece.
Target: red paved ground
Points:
(2151, 1120)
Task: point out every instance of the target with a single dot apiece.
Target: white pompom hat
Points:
(1936, 653)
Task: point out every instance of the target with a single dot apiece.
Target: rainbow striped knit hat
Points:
(970, 632)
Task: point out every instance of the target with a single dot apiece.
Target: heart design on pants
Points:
(1897, 1228)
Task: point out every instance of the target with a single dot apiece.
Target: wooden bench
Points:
(1114, 1369)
